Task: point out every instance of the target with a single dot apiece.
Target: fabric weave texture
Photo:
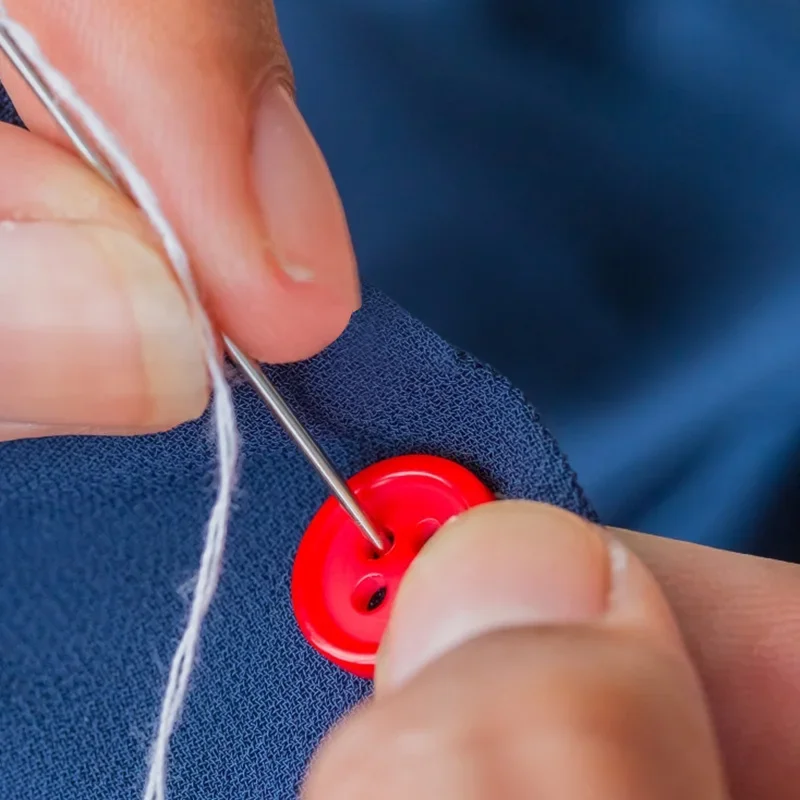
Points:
(7, 111)
(98, 535)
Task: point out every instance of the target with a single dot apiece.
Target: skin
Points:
(529, 654)
(237, 172)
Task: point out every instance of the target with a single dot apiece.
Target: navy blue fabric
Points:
(7, 111)
(96, 536)
(600, 198)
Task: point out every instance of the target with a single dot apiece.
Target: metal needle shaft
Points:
(286, 417)
(39, 88)
(250, 369)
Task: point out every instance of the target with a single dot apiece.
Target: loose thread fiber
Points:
(223, 411)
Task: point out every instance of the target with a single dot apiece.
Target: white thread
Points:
(224, 415)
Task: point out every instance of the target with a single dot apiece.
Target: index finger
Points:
(200, 95)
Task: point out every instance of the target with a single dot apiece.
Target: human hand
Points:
(530, 655)
(95, 336)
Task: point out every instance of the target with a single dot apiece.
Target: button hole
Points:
(375, 555)
(370, 594)
(424, 532)
(376, 601)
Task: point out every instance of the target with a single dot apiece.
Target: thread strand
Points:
(227, 438)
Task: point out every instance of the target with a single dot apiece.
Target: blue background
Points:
(602, 199)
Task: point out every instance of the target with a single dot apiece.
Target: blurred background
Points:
(602, 200)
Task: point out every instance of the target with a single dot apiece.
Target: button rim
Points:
(360, 661)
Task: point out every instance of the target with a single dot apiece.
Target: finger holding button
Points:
(528, 655)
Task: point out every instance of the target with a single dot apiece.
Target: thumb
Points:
(527, 657)
(200, 94)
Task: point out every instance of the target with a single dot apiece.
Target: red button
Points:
(342, 591)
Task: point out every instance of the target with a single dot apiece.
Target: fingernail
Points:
(171, 346)
(300, 203)
(99, 334)
(496, 569)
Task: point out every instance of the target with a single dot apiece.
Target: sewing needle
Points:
(255, 376)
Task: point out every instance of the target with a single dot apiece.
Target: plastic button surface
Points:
(342, 590)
